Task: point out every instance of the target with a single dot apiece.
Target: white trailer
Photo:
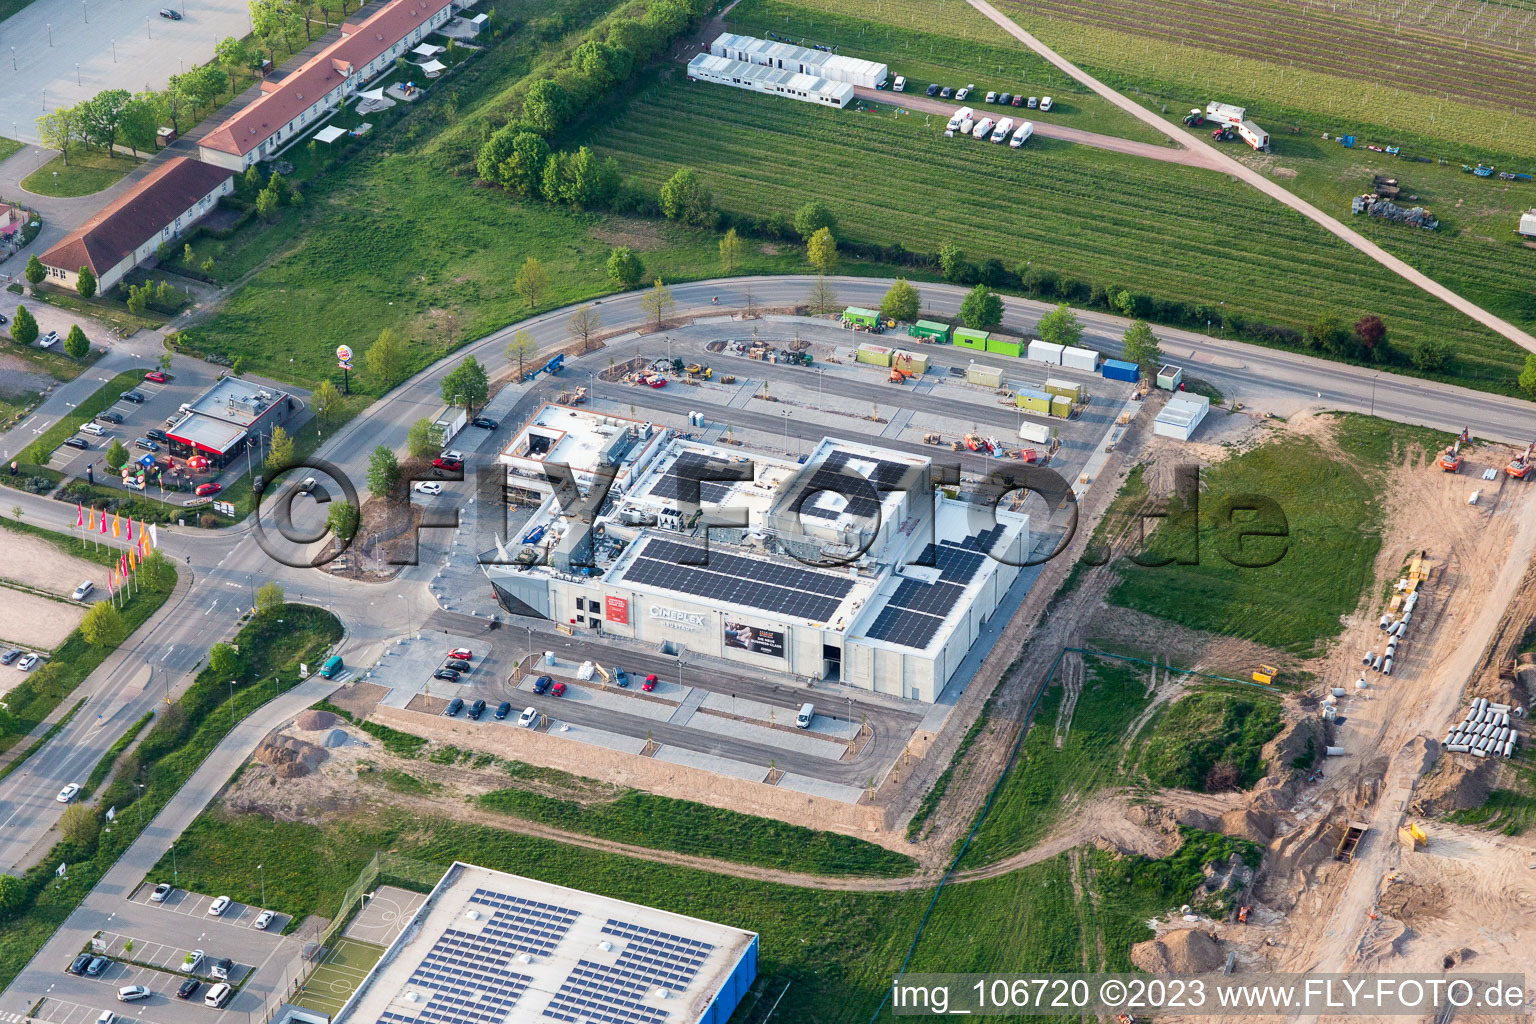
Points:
(983, 128)
(1255, 136)
(1022, 135)
(1225, 113)
(958, 118)
(1003, 130)
(1039, 433)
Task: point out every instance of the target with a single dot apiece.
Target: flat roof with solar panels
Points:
(489, 947)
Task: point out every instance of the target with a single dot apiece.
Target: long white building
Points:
(788, 57)
(807, 88)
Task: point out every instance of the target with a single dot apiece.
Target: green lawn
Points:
(657, 822)
(88, 171)
(108, 310)
(1207, 728)
(8, 146)
(1291, 591)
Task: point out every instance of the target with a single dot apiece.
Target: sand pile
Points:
(290, 758)
(1454, 784)
(1246, 824)
(314, 721)
(1187, 951)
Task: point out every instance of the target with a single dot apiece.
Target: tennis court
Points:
(345, 966)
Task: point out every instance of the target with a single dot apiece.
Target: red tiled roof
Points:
(136, 216)
(360, 44)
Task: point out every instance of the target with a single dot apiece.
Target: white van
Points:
(1022, 135)
(83, 589)
(94, 429)
(983, 128)
(803, 719)
(218, 995)
(1003, 130)
(901, 84)
(957, 119)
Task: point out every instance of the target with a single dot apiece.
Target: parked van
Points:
(94, 429)
(803, 719)
(1022, 135)
(332, 667)
(1003, 130)
(960, 116)
(983, 128)
(84, 589)
(218, 995)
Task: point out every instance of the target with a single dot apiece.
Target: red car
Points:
(658, 382)
(462, 654)
(156, 376)
(558, 690)
(444, 462)
(203, 490)
(649, 684)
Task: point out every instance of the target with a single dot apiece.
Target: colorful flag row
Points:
(149, 536)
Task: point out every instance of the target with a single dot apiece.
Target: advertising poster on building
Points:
(616, 609)
(750, 638)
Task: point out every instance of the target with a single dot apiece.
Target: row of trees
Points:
(523, 163)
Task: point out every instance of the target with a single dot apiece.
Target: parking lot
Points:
(408, 668)
(192, 904)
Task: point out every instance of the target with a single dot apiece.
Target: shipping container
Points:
(929, 329)
(1045, 352)
(1061, 406)
(1170, 377)
(986, 376)
(912, 362)
(1080, 358)
(1033, 401)
(1119, 369)
(1064, 388)
(876, 355)
(1255, 136)
(1040, 433)
(861, 317)
(1225, 113)
(967, 338)
(1004, 346)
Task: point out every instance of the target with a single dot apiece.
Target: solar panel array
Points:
(913, 615)
(787, 590)
(611, 993)
(693, 466)
(830, 479)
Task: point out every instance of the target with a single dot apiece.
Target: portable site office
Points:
(929, 330)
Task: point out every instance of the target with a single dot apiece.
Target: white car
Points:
(427, 487)
(963, 93)
(128, 993)
(161, 892)
(900, 85)
(218, 906)
(263, 919)
(192, 961)
(27, 663)
(529, 718)
(450, 455)
(68, 793)
(1045, 103)
(107, 1017)
(991, 95)
(48, 340)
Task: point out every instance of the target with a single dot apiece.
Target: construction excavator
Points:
(1523, 463)
(1450, 459)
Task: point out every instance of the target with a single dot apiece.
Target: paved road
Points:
(1237, 169)
(1043, 127)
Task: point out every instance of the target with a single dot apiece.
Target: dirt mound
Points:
(1293, 862)
(1168, 819)
(314, 721)
(1187, 951)
(1298, 738)
(1246, 824)
(1454, 784)
(1410, 902)
(283, 751)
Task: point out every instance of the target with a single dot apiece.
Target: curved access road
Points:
(1222, 162)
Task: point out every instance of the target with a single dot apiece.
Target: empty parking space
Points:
(195, 905)
(65, 1011)
(156, 957)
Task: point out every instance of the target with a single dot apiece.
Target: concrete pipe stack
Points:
(1485, 732)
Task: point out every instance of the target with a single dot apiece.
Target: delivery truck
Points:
(961, 116)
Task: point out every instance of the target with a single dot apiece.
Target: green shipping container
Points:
(929, 329)
(967, 338)
(876, 355)
(862, 317)
(1034, 401)
(1065, 388)
(1061, 407)
(1003, 346)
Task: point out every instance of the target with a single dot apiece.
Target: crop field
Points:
(1182, 70)
(1316, 571)
(960, 48)
(1159, 228)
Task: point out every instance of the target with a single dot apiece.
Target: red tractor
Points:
(1226, 133)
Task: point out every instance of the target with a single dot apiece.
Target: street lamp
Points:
(263, 884)
(77, 74)
(850, 719)
(175, 875)
(140, 802)
(1374, 379)
(231, 705)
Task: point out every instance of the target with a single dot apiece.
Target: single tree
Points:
(1326, 334)
(223, 662)
(208, 265)
(326, 401)
(157, 571)
(1528, 377)
(279, 450)
(342, 520)
(547, 106)
(76, 344)
(1431, 354)
(822, 298)
(494, 151)
(383, 472)
(423, 439)
(730, 251)
(625, 268)
(1060, 326)
(103, 626)
(116, 455)
(1372, 334)
(583, 324)
(593, 181)
(58, 128)
(79, 825)
(85, 282)
(821, 250)
(951, 259)
(269, 596)
(658, 302)
(23, 327)
(812, 217)
(467, 385)
(267, 203)
(101, 117)
(385, 359)
(35, 271)
(521, 171)
(14, 895)
(685, 198)
(140, 121)
(981, 308)
(174, 339)
(1141, 347)
(531, 282)
(521, 348)
(901, 301)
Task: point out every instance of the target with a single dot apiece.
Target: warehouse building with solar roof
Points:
(493, 948)
(852, 567)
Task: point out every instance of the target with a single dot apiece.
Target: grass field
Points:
(1207, 729)
(1300, 583)
(337, 977)
(7, 146)
(1082, 212)
(89, 170)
